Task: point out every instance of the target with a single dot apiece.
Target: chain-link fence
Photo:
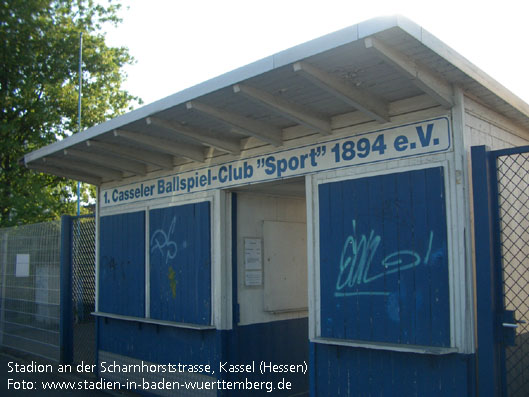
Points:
(513, 188)
(83, 288)
(30, 277)
(30, 300)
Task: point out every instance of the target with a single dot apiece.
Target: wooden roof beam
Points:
(77, 166)
(59, 171)
(255, 128)
(286, 108)
(421, 76)
(105, 161)
(224, 144)
(159, 160)
(342, 89)
(179, 149)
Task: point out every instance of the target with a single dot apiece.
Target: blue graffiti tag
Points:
(357, 257)
(160, 241)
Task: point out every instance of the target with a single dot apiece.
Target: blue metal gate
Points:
(501, 226)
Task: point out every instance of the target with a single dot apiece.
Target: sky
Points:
(178, 44)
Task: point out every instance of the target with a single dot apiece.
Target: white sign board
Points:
(22, 265)
(414, 139)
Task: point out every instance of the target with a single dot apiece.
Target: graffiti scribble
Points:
(357, 257)
(160, 241)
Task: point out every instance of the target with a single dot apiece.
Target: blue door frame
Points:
(492, 335)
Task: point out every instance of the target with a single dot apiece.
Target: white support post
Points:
(311, 261)
(463, 277)
(147, 265)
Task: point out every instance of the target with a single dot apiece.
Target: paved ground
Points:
(36, 380)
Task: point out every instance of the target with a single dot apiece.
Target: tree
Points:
(39, 64)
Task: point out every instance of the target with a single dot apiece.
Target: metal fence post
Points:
(488, 381)
(66, 309)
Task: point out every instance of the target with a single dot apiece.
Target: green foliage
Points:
(39, 61)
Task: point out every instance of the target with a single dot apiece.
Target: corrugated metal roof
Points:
(365, 67)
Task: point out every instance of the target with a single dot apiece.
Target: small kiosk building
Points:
(311, 209)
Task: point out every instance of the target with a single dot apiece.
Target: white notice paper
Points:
(253, 278)
(253, 254)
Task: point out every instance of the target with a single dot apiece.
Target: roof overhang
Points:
(363, 68)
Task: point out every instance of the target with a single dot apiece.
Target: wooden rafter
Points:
(80, 167)
(358, 98)
(225, 144)
(112, 163)
(421, 76)
(160, 160)
(286, 108)
(255, 128)
(179, 149)
(79, 176)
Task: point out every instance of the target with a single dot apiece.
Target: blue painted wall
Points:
(159, 344)
(122, 264)
(384, 259)
(278, 342)
(348, 371)
(180, 263)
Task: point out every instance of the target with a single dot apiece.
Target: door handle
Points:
(511, 325)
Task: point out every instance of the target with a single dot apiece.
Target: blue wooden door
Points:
(122, 264)
(384, 259)
(180, 263)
